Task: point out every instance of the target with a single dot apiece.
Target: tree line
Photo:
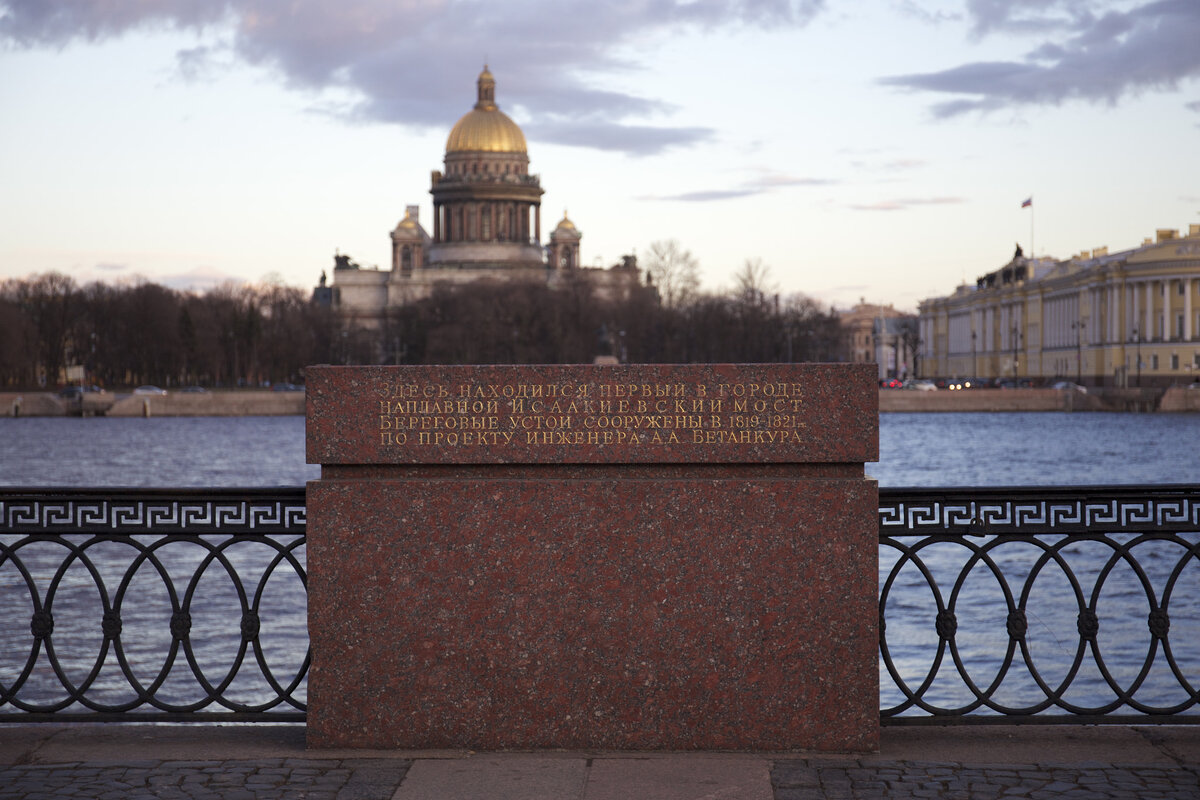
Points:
(252, 335)
(145, 333)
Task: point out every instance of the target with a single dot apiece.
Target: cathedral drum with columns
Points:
(486, 225)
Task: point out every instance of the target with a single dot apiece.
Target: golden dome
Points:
(486, 128)
(565, 224)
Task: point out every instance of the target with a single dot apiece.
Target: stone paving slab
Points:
(855, 780)
(495, 778)
(683, 777)
(98, 762)
(269, 779)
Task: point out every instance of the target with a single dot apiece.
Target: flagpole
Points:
(1032, 244)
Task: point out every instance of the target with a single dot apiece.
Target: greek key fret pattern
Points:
(1066, 510)
(119, 512)
(1040, 604)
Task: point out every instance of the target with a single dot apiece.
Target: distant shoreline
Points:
(218, 403)
(251, 403)
(1177, 398)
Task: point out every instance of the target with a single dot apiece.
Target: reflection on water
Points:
(169, 452)
(1013, 449)
(1036, 449)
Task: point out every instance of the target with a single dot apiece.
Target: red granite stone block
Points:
(629, 557)
(617, 613)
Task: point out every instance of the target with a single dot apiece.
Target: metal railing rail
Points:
(1077, 604)
(1091, 610)
(147, 564)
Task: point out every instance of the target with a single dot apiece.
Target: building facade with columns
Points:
(486, 225)
(880, 334)
(1130, 318)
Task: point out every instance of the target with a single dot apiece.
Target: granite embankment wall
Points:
(1181, 398)
(982, 400)
(207, 404)
(261, 403)
(1174, 399)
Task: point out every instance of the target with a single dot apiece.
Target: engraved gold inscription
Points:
(585, 414)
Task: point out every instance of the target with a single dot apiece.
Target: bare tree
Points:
(674, 272)
(752, 283)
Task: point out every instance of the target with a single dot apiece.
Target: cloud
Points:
(707, 195)
(761, 184)
(634, 139)
(1102, 55)
(904, 204)
(411, 62)
(199, 279)
(1029, 16)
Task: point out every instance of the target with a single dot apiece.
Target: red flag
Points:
(1028, 202)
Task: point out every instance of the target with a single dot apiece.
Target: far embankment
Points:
(264, 403)
(233, 403)
(1176, 398)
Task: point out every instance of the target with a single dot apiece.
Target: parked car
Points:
(150, 390)
(286, 387)
(890, 383)
(1069, 386)
(75, 392)
(194, 390)
(920, 386)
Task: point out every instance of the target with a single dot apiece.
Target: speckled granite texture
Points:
(509, 603)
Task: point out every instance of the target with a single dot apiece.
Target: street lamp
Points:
(875, 352)
(1078, 327)
(1137, 337)
(974, 357)
(1016, 340)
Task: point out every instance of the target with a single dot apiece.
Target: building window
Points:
(485, 224)
(1174, 361)
(1154, 361)
(406, 258)
(1179, 327)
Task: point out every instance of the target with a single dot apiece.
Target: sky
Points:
(877, 150)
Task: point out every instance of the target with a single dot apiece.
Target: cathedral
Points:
(486, 224)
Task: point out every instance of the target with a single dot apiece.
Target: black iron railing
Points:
(1040, 605)
(1008, 605)
(200, 599)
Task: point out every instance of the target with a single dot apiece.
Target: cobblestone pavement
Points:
(792, 779)
(261, 779)
(854, 780)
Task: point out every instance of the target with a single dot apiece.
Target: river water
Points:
(916, 450)
(1012, 449)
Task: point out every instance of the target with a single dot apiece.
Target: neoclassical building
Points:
(879, 334)
(1104, 319)
(486, 224)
